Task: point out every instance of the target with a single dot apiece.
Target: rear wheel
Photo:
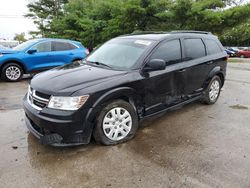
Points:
(116, 123)
(12, 72)
(213, 91)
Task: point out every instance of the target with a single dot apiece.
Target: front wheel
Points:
(213, 91)
(116, 123)
(12, 72)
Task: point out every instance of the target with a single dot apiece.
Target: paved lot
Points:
(195, 146)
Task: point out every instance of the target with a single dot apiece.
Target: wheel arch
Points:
(125, 93)
(215, 71)
(14, 61)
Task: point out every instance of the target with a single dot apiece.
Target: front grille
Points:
(37, 99)
(42, 95)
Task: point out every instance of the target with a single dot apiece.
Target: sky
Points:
(12, 20)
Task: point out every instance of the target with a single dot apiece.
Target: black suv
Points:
(125, 80)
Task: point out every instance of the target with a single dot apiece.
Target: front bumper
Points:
(58, 128)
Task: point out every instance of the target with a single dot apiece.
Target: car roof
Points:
(55, 39)
(158, 36)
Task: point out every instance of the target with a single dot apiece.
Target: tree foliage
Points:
(20, 37)
(94, 21)
(44, 11)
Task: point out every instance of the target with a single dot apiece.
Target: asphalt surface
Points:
(194, 146)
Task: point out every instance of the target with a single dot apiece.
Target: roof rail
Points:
(148, 32)
(190, 31)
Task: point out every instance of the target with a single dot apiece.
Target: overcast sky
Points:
(12, 20)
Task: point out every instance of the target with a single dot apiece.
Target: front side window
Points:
(212, 47)
(194, 48)
(43, 47)
(169, 51)
(62, 46)
(120, 53)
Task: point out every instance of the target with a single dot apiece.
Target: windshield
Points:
(120, 53)
(25, 45)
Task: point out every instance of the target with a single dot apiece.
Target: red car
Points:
(243, 53)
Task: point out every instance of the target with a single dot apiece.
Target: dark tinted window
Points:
(194, 48)
(169, 51)
(212, 47)
(43, 47)
(62, 46)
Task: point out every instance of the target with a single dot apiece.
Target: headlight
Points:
(67, 103)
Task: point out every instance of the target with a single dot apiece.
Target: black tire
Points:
(207, 99)
(242, 56)
(99, 134)
(4, 72)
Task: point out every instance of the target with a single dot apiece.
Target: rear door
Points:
(197, 65)
(63, 52)
(164, 87)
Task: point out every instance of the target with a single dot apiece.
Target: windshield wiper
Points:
(99, 63)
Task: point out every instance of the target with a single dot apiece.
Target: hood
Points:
(70, 78)
(9, 51)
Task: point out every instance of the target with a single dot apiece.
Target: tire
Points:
(242, 56)
(11, 72)
(110, 129)
(212, 92)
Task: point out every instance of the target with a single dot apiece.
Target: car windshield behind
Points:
(24, 45)
(120, 53)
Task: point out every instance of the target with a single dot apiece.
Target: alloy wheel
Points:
(214, 90)
(13, 73)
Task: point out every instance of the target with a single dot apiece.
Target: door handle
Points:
(210, 62)
(182, 70)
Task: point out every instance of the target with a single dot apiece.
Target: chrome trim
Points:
(32, 94)
(31, 104)
(39, 98)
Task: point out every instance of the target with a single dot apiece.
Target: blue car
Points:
(230, 53)
(37, 55)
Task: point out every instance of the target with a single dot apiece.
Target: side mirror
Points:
(31, 51)
(155, 64)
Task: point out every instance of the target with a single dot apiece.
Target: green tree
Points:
(44, 11)
(20, 37)
(94, 21)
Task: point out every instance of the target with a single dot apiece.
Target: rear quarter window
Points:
(212, 47)
(194, 48)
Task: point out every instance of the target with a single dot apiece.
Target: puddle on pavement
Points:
(239, 107)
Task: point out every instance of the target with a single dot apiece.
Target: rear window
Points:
(194, 48)
(212, 47)
(62, 46)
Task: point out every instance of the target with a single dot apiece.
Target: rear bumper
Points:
(57, 129)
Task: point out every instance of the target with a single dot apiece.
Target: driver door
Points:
(164, 88)
(42, 58)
